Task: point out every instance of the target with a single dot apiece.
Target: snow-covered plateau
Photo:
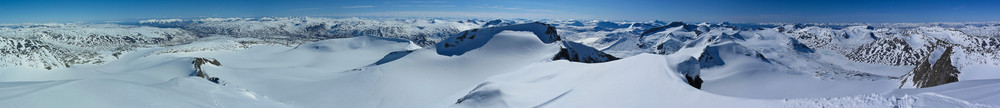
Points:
(320, 62)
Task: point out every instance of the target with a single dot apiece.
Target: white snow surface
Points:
(619, 84)
(505, 65)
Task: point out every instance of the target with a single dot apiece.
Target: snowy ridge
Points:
(441, 62)
(577, 52)
(465, 41)
(161, 21)
(66, 45)
(423, 31)
(597, 85)
(60, 46)
(716, 54)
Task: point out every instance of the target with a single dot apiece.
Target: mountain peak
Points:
(468, 40)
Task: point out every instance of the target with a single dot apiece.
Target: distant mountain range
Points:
(440, 62)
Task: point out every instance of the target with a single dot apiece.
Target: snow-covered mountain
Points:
(447, 62)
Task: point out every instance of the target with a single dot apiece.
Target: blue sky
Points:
(821, 11)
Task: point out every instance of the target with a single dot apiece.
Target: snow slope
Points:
(134, 81)
(372, 62)
(422, 78)
(137, 76)
(564, 84)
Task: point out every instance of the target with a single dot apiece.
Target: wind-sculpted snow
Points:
(717, 54)
(468, 40)
(618, 84)
(691, 69)
(444, 62)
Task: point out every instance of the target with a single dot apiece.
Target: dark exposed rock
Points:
(392, 57)
(198, 62)
(460, 43)
(576, 23)
(798, 46)
(872, 35)
(929, 74)
(661, 28)
(493, 22)
(691, 69)
(669, 47)
(890, 51)
(581, 53)
(551, 30)
(712, 55)
(694, 81)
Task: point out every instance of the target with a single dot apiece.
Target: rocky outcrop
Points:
(609, 26)
(687, 28)
(692, 72)
(465, 41)
(716, 55)
(800, 47)
(577, 52)
(493, 23)
(63, 45)
(891, 51)
(930, 74)
(392, 57)
(198, 62)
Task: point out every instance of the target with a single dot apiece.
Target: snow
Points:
(505, 65)
(145, 74)
(161, 21)
(604, 85)
(462, 42)
(135, 81)
(420, 79)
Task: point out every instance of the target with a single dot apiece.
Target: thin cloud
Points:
(502, 7)
(304, 9)
(362, 6)
(520, 9)
(538, 10)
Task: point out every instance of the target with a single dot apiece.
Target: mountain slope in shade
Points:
(440, 62)
(469, 40)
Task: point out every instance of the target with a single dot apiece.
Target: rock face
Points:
(692, 72)
(891, 51)
(392, 57)
(577, 52)
(201, 73)
(714, 55)
(60, 46)
(930, 74)
(468, 40)
(801, 47)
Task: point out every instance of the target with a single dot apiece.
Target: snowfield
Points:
(459, 63)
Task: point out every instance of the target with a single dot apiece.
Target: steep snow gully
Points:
(519, 64)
